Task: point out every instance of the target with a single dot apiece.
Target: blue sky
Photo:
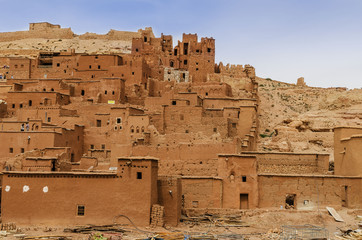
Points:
(320, 40)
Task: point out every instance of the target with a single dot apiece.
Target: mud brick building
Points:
(86, 137)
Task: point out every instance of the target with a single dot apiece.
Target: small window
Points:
(22, 150)
(132, 73)
(197, 50)
(44, 90)
(99, 123)
(136, 49)
(233, 125)
(197, 69)
(58, 64)
(65, 71)
(16, 66)
(185, 62)
(11, 150)
(91, 146)
(119, 120)
(49, 119)
(105, 92)
(82, 92)
(132, 130)
(90, 66)
(181, 117)
(208, 49)
(13, 105)
(22, 65)
(145, 39)
(174, 102)
(52, 89)
(96, 57)
(243, 178)
(80, 210)
(99, 66)
(103, 146)
(139, 175)
(207, 94)
(21, 105)
(175, 52)
(112, 92)
(215, 130)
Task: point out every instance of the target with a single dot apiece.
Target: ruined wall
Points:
(38, 30)
(311, 192)
(291, 163)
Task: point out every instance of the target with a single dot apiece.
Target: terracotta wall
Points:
(240, 182)
(311, 192)
(347, 151)
(49, 195)
(170, 196)
(202, 192)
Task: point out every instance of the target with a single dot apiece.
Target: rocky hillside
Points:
(301, 119)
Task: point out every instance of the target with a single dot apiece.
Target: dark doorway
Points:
(244, 201)
(290, 201)
(344, 196)
(53, 166)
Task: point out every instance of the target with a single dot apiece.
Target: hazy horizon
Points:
(320, 40)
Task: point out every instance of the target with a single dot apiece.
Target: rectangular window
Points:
(22, 150)
(139, 175)
(11, 150)
(103, 146)
(243, 178)
(80, 210)
(99, 123)
(185, 62)
(58, 64)
(49, 119)
(99, 66)
(91, 146)
(119, 120)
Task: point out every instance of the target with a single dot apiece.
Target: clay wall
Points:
(171, 74)
(350, 162)
(311, 192)
(19, 68)
(38, 32)
(16, 142)
(202, 192)
(3, 109)
(229, 102)
(291, 163)
(187, 159)
(17, 100)
(342, 164)
(131, 192)
(170, 196)
(240, 182)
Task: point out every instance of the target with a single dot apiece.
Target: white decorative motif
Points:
(26, 188)
(7, 188)
(45, 189)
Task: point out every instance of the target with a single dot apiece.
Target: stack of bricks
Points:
(157, 215)
(8, 226)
